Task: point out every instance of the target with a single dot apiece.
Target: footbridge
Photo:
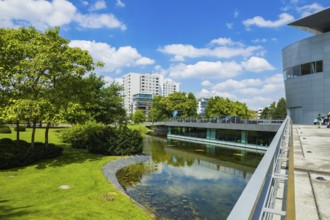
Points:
(249, 135)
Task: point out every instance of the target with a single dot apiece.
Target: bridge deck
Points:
(312, 160)
(244, 125)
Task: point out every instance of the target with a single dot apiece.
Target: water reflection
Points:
(188, 181)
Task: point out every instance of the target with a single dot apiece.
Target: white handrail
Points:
(251, 203)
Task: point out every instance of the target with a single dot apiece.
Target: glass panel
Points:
(313, 67)
(306, 69)
(296, 71)
(319, 66)
(288, 73)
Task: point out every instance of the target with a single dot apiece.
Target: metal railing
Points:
(228, 119)
(258, 200)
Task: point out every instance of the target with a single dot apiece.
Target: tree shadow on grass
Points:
(70, 155)
(9, 212)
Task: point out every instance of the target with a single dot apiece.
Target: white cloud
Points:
(229, 85)
(99, 21)
(236, 13)
(259, 21)
(120, 4)
(257, 64)
(222, 41)
(182, 51)
(100, 4)
(40, 14)
(85, 3)
(145, 61)
(113, 58)
(204, 93)
(204, 69)
(218, 70)
(206, 83)
(108, 79)
(45, 14)
(256, 93)
(230, 26)
(309, 9)
(119, 81)
(259, 40)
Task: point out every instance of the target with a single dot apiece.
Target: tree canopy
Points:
(218, 107)
(276, 110)
(163, 107)
(138, 117)
(42, 80)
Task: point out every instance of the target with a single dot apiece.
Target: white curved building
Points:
(306, 66)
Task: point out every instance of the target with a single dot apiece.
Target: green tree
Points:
(218, 107)
(158, 110)
(40, 66)
(276, 110)
(138, 117)
(279, 111)
(265, 113)
(163, 107)
(103, 102)
(192, 102)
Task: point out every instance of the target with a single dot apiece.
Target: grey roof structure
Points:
(317, 23)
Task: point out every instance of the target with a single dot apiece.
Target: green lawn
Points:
(32, 192)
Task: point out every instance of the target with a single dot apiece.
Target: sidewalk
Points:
(312, 164)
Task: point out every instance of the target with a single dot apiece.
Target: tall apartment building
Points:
(170, 87)
(135, 83)
(143, 102)
(202, 103)
(146, 83)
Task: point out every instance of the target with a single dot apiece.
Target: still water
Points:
(188, 181)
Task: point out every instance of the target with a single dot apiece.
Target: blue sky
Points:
(229, 48)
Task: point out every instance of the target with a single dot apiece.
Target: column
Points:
(243, 137)
(210, 134)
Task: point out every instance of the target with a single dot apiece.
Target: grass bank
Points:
(33, 192)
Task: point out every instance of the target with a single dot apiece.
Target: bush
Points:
(21, 154)
(20, 128)
(4, 129)
(97, 138)
(78, 135)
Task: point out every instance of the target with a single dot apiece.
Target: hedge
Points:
(4, 129)
(99, 139)
(21, 154)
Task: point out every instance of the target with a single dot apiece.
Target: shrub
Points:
(97, 138)
(20, 128)
(21, 154)
(78, 135)
(4, 129)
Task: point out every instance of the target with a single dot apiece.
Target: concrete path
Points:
(312, 164)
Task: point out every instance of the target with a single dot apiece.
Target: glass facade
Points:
(189, 132)
(261, 138)
(303, 69)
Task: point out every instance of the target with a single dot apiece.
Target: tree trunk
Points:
(28, 124)
(34, 125)
(46, 134)
(17, 133)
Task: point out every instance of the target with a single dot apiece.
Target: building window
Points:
(303, 69)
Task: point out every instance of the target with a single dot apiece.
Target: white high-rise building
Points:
(140, 83)
(170, 87)
(202, 103)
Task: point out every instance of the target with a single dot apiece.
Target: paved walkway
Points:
(312, 163)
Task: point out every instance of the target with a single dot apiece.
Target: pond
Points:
(185, 180)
